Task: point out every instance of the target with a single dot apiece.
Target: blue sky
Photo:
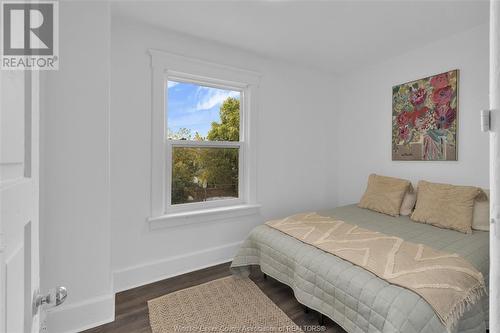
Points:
(193, 106)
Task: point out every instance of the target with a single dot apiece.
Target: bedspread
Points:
(353, 297)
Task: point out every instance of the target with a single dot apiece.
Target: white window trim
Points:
(167, 65)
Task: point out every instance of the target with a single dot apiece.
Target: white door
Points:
(19, 182)
(495, 166)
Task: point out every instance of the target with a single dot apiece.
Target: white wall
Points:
(292, 160)
(75, 224)
(365, 135)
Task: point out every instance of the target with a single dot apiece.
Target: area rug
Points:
(230, 305)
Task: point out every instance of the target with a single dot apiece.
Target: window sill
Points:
(204, 215)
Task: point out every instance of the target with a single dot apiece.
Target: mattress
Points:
(356, 299)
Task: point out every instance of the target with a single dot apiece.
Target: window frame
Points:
(167, 66)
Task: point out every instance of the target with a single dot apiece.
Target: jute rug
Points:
(229, 305)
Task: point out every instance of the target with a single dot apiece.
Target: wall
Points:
(291, 154)
(365, 136)
(75, 225)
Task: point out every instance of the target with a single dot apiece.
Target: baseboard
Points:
(80, 316)
(100, 310)
(135, 276)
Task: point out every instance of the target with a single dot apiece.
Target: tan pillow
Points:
(408, 204)
(384, 194)
(445, 206)
(481, 215)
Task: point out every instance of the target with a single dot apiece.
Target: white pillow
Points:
(481, 215)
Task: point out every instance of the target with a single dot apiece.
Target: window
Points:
(203, 158)
(203, 143)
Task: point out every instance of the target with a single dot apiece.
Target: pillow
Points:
(481, 215)
(384, 194)
(408, 203)
(445, 206)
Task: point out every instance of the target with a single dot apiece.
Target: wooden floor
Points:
(132, 309)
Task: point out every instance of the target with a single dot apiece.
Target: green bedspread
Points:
(353, 297)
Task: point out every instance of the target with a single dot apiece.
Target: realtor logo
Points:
(29, 35)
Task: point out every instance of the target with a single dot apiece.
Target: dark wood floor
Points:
(132, 309)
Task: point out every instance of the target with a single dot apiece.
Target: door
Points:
(19, 175)
(495, 166)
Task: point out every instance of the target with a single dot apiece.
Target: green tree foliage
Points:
(229, 127)
(200, 173)
(184, 167)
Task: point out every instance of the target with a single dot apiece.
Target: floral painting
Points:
(424, 119)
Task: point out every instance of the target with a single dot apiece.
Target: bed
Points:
(353, 297)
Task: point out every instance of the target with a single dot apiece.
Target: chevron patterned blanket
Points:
(448, 282)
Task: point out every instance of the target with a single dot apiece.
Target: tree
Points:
(222, 163)
(229, 127)
(181, 134)
(196, 169)
(184, 170)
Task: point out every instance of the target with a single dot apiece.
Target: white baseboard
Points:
(96, 311)
(80, 316)
(139, 275)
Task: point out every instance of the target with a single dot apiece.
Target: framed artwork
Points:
(425, 119)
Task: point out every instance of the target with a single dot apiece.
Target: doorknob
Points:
(55, 297)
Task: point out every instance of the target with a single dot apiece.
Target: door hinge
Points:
(485, 120)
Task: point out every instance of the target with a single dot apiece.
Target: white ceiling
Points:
(336, 36)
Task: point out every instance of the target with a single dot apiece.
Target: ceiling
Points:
(336, 36)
